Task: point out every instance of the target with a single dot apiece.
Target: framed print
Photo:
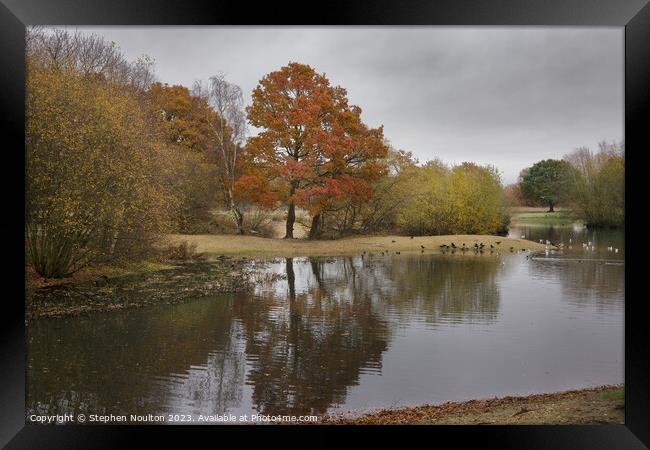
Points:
(381, 217)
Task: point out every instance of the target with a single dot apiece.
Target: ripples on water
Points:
(350, 333)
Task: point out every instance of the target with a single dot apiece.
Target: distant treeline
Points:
(591, 184)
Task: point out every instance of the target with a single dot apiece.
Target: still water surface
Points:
(351, 333)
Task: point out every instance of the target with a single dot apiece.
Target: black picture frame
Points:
(634, 15)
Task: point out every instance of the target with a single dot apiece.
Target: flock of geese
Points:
(480, 247)
(589, 246)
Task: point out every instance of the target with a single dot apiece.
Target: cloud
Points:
(508, 96)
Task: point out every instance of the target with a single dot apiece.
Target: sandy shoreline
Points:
(213, 245)
(589, 406)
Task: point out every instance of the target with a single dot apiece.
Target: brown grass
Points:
(35, 281)
(601, 405)
(215, 245)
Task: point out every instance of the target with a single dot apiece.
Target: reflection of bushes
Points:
(306, 343)
(457, 289)
(588, 282)
(110, 365)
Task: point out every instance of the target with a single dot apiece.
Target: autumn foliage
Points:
(313, 150)
(115, 160)
(90, 156)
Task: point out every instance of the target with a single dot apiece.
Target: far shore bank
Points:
(214, 245)
(589, 406)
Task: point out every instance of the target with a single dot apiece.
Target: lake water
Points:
(351, 333)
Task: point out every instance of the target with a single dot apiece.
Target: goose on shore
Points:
(102, 280)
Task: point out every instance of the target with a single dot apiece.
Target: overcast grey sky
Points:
(494, 95)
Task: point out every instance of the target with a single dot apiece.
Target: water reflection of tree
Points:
(585, 282)
(306, 350)
(434, 288)
(453, 289)
(305, 343)
(120, 363)
(309, 345)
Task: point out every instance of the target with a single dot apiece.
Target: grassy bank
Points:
(214, 245)
(172, 284)
(593, 406)
(540, 216)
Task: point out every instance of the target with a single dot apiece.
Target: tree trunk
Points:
(550, 207)
(314, 231)
(237, 215)
(239, 219)
(291, 218)
(291, 214)
(240, 222)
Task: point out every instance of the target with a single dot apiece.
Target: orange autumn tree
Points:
(313, 151)
(185, 123)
